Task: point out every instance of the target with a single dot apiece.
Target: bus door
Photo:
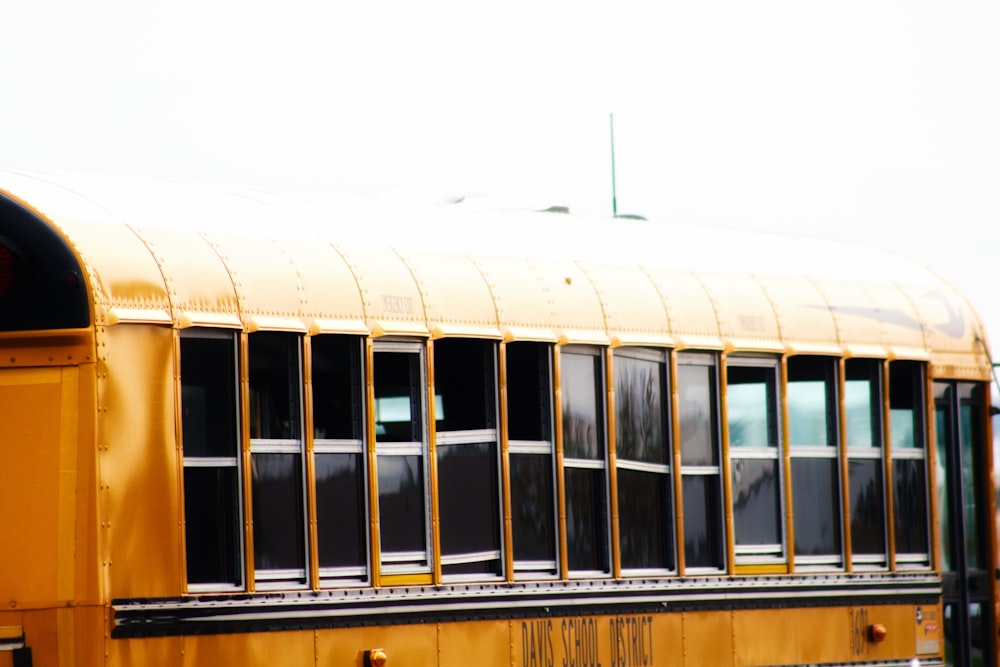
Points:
(963, 493)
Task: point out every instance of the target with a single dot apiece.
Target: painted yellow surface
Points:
(404, 645)
(708, 638)
(627, 640)
(192, 256)
(483, 643)
(34, 533)
(140, 490)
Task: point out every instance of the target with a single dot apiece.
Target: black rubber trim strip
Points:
(306, 610)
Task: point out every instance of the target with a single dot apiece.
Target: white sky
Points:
(872, 119)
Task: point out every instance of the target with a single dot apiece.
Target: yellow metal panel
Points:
(330, 291)
(708, 638)
(628, 639)
(747, 321)
(633, 309)
(148, 652)
(259, 649)
(803, 316)
(140, 498)
(870, 314)
(790, 636)
(482, 643)
(538, 300)
(127, 274)
(690, 311)
(404, 645)
(456, 298)
(392, 300)
(30, 421)
(198, 282)
(264, 278)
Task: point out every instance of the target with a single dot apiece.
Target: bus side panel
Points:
(626, 640)
(148, 652)
(708, 638)
(483, 643)
(65, 637)
(791, 636)
(403, 644)
(140, 496)
(30, 536)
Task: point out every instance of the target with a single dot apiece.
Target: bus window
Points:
(276, 454)
(755, 459)
(400, 447)
(701, 474)
(467, 449)
(812, 442)
(339, 451)
(909, 477)
(585, 460)
(866, 489)
(642, 448)
(532, 459)
(211, 447)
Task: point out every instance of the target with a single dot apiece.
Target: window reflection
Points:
(701, 473)
(751, 396)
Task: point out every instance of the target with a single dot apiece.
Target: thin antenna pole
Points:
(614, 193)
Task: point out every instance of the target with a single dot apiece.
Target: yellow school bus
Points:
(263, 428)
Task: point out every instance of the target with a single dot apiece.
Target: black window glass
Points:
(644, 504)
(696, 393)
(208, 397)
(337, 388)
(867, 506)
(401, 503)
(532, 507)
(529, 393)
(944, 397)
(340, 510)
(817, 506)
(464, 385)
(906, 404)
(586, 519)
(750, 396)
(639, 410)
(211, 515)
(277, 510)
(971, 416)
(398, 407)
(756, 507)
(862, 402)
(211, 444)
(812, 407)
(274, 386)
(910, 506)
(583, 428)
(702, 517)
(468, 500)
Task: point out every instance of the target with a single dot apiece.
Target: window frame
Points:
(918, 452)
(771, 553)
(340, 576)
(406, 562)
(464, 437)
(668, 513)
(870, 562)
(282, 578)
(708, 360)
(536, 569)
(217, 462)
(815, 451)
(602, 523)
